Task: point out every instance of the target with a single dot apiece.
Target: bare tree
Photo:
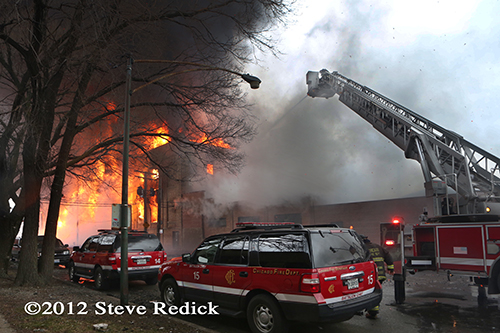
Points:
(62, 81)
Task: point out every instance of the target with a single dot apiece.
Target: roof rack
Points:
(325, 225)
(464, 218)
(241, 226)
(115, 231)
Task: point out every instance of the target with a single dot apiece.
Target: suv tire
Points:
(100, 282)
(71, 272)
(170, 293)
(265, 316)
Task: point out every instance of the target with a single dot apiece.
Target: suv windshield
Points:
(337, 247)
(140, 243)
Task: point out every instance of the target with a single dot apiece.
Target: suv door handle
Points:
(206, 271)
(244, 274)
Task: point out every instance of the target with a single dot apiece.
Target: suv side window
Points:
(85, 246)
(94, 243)
(289, 250)
(106, 243)
(205, 253)
(234, 251)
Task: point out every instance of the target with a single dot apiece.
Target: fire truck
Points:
(463, 180)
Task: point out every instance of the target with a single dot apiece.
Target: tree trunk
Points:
(47, 259)
(27, 272)
(9, 227)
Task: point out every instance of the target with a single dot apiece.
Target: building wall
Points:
(187, 217)
(364, 217)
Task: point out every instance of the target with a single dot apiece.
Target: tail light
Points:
(164, 256)
(389, 242)
(310, 283)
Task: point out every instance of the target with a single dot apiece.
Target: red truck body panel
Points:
(458, 247)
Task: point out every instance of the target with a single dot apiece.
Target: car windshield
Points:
(141, 243)
(337, 247)
(59, 243)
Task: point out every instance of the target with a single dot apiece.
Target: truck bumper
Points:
(334, 312)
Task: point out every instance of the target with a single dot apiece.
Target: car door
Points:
(84, 257)
(231, 274)
(197, 274)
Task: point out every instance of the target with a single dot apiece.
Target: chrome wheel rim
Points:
(169, 295)
(98, 280)
(263, 318)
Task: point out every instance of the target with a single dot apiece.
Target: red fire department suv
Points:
(273, 273)
(99, 258)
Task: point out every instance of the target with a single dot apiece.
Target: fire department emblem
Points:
(331, 289)
(230, 277)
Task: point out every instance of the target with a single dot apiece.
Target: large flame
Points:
(87, 203)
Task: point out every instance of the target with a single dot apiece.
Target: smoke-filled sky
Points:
(437, 58)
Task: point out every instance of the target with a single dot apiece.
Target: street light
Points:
(124, 210)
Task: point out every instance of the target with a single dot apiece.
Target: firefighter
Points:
(381, 257)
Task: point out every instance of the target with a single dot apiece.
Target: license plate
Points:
(141, 261)
(352, 284)
(56, 261)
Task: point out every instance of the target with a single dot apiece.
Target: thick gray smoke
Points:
(322, 149)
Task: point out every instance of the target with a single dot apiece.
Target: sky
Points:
(437, 58)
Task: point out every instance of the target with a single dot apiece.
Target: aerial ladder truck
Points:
(464, 180)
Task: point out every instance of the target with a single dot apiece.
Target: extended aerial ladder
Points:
(451, 165)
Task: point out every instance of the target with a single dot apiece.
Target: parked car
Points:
(99, 258)
(61, 251)
(274, 273)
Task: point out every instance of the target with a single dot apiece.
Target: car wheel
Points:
(265, 316)
(72, 274)
(170, 293)
(151, 281)
(100, 282)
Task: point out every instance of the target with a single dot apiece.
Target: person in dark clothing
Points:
(381, 257)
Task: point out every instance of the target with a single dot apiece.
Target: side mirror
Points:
(186, 257)
(76, 248)
(66, 245)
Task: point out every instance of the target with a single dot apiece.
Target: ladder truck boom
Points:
(445, 157)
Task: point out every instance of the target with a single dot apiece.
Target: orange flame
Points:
(161, 140)
(210, 169)
(218, 142)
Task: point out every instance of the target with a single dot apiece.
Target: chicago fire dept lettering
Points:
(275, 271)
(230, 277)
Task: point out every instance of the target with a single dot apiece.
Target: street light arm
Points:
(252, 80)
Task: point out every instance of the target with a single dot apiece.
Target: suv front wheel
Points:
(265, 316)
(170, 293)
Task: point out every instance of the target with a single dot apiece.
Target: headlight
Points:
(66, 252)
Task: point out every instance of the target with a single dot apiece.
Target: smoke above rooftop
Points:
(321, 149)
